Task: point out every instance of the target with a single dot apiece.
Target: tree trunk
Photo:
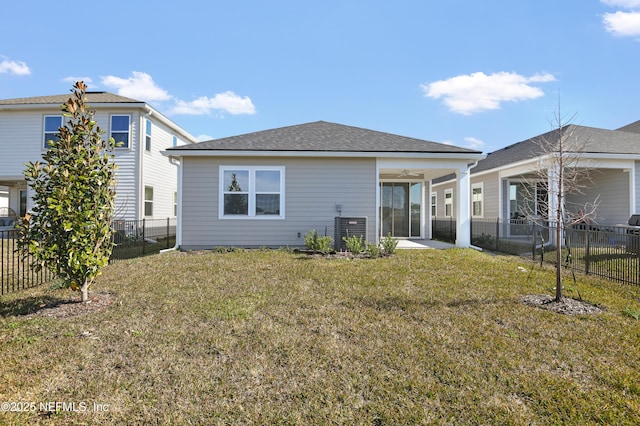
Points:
(84, 290)
(558, 262)
(559, 226)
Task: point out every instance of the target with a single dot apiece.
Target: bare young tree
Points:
(562, 171)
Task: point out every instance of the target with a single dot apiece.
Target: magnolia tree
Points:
(69, 231)
(562, 171)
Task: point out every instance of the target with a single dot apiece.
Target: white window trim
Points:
(148, 200)
(450, 202)
(129, 132)
(481, 186)
(252, 193)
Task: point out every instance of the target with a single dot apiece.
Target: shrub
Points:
(389, 245)
(373, 250)
(316, 243)
(355, 245)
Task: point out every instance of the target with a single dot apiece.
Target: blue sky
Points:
(469, 73)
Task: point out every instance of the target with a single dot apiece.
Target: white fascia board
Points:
(155, 114)
(340, 154)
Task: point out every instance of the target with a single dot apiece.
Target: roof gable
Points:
(590, 140)
(322, 136)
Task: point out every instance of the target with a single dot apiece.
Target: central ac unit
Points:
(348, 227)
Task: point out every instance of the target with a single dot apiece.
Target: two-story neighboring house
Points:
(146, 180)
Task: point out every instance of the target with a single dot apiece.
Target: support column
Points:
(553, 192)
(463, 191)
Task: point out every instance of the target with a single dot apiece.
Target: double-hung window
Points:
(147, 136)
(251, 192)
(448, 202)
(51, 125)
(476, 200)
(148, 200)
(120, 130)
(434, 204)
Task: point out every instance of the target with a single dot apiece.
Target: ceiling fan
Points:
(407, 172)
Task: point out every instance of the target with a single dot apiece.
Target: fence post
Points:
(533, 239)
(168, 232)
(497, 232)
(144, 239)
(586, 251)
(451, 238)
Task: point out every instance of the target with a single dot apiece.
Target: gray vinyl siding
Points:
(610, 188)
(490, 192)
(440, 190)
(313, 187)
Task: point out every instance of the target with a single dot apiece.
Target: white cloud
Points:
(626, 4)
(139, 86)
(13, 67)
(227, 101)
(624, 24)
(142, 87)
(468, 94)
(473, 143)
(203, 138)
(470, 142)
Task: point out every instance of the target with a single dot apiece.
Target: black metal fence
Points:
(135, 238)
(132, 238)
(15, 271)
(612, 252)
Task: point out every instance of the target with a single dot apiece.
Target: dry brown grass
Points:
(270, 337)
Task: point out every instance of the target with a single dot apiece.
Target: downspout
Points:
(178, 213)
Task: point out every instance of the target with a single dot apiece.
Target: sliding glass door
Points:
(401, 206)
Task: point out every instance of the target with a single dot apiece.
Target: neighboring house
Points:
(633, 127)
(502, 183)
(270, 188)
(146, 180)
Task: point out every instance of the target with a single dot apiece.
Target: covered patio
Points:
(404, 198)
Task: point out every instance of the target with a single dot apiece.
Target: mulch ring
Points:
(567, 306)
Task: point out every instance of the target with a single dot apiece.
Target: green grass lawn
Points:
(271, 337)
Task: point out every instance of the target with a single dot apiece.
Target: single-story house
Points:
(269, 188)
(502, 184)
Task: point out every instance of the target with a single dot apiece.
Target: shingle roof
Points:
(91, 97)
(590, 140)
(633, 127)
(321, 136)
